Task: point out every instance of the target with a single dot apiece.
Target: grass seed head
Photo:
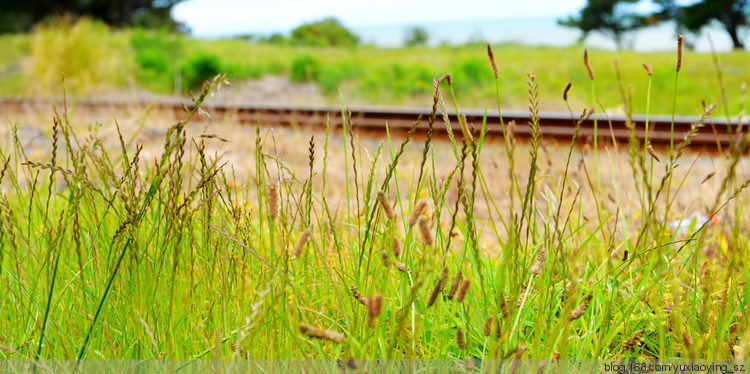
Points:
(460, 339)
(588, 64)
(318, 333)
(565, 91)
(445, 77)
(492, 61)
(633, 340)
(648, 69)
(273, 200)
(303, 238)
(396, 247)
(383, 200)
(424, 230)
(578, 312)
(456, 283)
(438, 287)
(384, 257)
(517, 359)
(463, 290)
(401, 267)
(653, 154)
(488, 326)
(679, 53)
(358, 296)
(374, 307)
(417, 212)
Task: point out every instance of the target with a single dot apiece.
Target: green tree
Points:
(609, 17)
(732, 14)
(328, 31)
(416, 35)
(18, 16)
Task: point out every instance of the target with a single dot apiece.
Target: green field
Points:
(367, 75)
(336, 246)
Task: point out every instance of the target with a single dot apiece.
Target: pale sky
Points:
(209, 18)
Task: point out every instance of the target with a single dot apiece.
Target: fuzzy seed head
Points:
(679, 53)
(273, 200)
(588, 64)
(576, 314)
(463, 290)
(488, 326)
(492, 61)
(303, 238)
(456, 283)
(396, 247)
(383, 200)
(384, 257)
(438, 287)
(424, 230)
(374, 307)
(648, 69)
(565, 91)
(460, 339)
(417, 212)
(517, 359)
(318, 333)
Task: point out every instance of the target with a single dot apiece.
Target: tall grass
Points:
(107, 254)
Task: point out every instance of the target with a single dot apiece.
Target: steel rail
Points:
(374, 119)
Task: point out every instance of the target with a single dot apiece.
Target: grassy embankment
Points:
(95, 58)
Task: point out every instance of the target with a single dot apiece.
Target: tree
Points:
(732, 14)
(609, 17)
(416, 35)
(19, 16)
(669, 10)
(328, 31)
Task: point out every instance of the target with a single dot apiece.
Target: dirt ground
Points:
(615, 176)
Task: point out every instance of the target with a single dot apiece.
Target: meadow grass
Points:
(107, 253)
(165, 64)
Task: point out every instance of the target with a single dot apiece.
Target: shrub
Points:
(326, 32)
(200, 68)
(85, 52)
(304, 69)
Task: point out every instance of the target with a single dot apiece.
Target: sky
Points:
(385, 22)
(211, 18)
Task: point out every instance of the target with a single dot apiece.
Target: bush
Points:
(199, 69)
(156, 54)
(85, 52)
(304, 69)
(327, 32)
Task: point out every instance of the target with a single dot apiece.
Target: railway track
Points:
(373, 120)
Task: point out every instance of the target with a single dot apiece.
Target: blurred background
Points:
(381, 53)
